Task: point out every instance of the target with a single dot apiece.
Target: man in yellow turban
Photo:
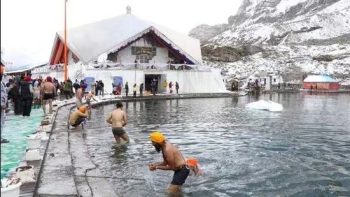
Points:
(78, 116)
(172, 160)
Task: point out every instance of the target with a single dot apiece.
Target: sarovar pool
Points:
(16, 130)
(303, 150)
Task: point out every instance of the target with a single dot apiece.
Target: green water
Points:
(16, 130)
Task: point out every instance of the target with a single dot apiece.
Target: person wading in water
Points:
(173, 160)
(118, 120)
(48, 90)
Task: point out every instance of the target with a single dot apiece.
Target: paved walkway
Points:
(67, 168)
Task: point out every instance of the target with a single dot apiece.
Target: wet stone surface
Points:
(68, 169)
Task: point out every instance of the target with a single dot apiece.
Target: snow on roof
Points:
(319, 78)
(23, 68)
(91, 40)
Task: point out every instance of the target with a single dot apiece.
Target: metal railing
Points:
(126, 66)
(147, 66)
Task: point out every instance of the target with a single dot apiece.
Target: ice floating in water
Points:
(242, 93)
(265, 105)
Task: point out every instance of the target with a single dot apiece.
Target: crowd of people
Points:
(25, 93)
(22, 93)
(117, 88)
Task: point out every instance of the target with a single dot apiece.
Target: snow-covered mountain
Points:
(307, 36)
(288, 22)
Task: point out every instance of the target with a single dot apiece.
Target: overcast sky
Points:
(28, 27)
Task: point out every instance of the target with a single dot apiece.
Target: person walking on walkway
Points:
(48, 90)
(118, 119)
(141, 89)
(13, 94)
(26, 94)
(153, 86)
(134, 90)
(36, 95)
(67, 89)
(171, 87)
(177, 87)
(126, 89)
(76, 86)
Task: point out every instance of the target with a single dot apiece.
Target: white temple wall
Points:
(125, 56)
(189, 81)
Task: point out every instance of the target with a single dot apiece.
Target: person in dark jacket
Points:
(26, 95)
(126, 88)
(13, 94)
(102, 86)
(141, 89)
(67, 88)
(76, 85)
(177, 87)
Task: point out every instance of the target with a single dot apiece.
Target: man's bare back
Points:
(48, 88)
(79, 94)
(173, 160)
(173, 157)
(117, 118)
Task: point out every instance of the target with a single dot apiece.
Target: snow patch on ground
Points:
(289, 59)
(284, 5)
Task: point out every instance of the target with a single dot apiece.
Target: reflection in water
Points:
(119, 151)
(234, 101)
(300, 151)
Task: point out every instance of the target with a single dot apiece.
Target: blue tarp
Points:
(89, 81)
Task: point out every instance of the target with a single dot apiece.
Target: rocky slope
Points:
(289, 37)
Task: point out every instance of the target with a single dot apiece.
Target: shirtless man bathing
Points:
(118, 120)
(48, 91)
(173, 160)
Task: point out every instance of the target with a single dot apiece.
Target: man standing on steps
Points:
(118, 120)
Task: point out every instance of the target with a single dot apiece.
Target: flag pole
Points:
(65, 41)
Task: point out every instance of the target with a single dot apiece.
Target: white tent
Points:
(90, 41)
